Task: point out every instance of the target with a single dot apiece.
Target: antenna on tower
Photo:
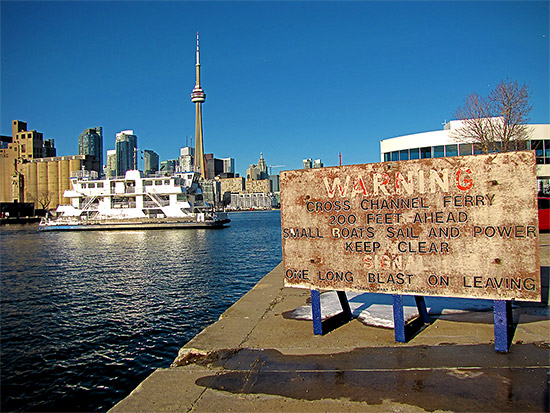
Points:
(198, 48)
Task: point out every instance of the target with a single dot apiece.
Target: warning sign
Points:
(456, 227)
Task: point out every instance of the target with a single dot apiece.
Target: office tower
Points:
(49, 148)
(90, 142)
(168, 166)
(307, 163)
(198, 97)
(110, 168)
(317, 163)
(214, 167)
(228, 165)
(262, 167)
(126, 148)
(150, 162)
(186, 160)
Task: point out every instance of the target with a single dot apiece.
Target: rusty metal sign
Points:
(456, 227)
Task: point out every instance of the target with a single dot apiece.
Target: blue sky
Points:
(293, 80)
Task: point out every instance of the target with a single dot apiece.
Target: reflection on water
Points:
(86, 316)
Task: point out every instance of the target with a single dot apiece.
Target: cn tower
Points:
(198, 97)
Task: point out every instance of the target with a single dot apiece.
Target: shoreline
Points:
(254, 358)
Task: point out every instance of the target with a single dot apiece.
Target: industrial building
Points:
(29, 172)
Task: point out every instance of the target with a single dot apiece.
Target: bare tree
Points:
(44, 198)
(496, 123)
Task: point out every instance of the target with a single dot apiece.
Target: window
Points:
(91, 185)
(23, 148)
(439, 151)
(158, 182)
(415, 153)
(167, 182)
(477, 149)
(465, 149)
(100, 184)
(387, 157)
(538, 147)
(547, 148)
(451, 150)
(426, 152)
(521, 145)
(404, 155)
(395, 156)
(147, 183)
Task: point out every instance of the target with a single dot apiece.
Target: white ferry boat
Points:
(134, 201)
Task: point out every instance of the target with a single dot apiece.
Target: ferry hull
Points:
(124, 225)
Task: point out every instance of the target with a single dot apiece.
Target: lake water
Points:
(86, 316)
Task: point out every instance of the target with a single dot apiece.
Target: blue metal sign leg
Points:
(400, 326)
(422, 310)
(316, 312)
(345, 304)
(399, 319)
(321, 327)
(503, 321)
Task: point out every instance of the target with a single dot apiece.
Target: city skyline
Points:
(291, 80)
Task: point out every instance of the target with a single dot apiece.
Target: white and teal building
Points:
(438, 144)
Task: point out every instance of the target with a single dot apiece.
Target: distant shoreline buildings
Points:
(31, 172)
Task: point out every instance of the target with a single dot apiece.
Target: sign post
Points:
(452, 227)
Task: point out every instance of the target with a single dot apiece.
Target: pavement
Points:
(256, 358)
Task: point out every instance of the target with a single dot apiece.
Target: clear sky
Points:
(293, 80)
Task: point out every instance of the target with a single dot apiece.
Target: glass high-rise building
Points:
(150, 162)
(126, 152)
(90, 142)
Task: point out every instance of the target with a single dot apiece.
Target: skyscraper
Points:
(90, 142)
(150, 162)
(110, 168)
(262, 167)
(126, 156)
(198, 97)
(186, 159)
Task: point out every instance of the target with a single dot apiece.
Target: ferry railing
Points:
(88, 201)
(161, 202)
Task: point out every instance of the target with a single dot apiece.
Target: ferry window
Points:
(465, 149)
(100, 184)
(147, 183)
(404, 155)
(426, 152)
(395, 156)
(158, 182)
(387, 157)
(91, 185)
(182, 197)
(439, 151)
(451, 150)
(414, 153)
(167, 182)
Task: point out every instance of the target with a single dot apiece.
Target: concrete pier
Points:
(255, 359)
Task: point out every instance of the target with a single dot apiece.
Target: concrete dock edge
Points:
(256, 359)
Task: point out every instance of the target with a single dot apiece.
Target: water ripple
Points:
(86, 316)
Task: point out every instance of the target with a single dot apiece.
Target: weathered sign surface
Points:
(456, 227)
